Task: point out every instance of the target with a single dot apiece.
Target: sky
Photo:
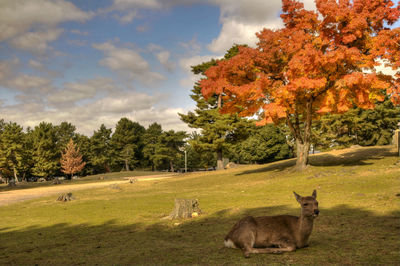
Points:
(92, 62)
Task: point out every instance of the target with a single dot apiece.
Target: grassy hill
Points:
(358, 193)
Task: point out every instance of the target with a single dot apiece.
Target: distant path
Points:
(13, 196)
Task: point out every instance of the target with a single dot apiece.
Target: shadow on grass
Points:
(342, 235)
(354, 157)
(83, 180)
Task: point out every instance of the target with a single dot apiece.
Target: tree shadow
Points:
(342, 235)
(353, 157)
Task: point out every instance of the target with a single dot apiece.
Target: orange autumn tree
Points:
(71, 159)
(320, 62)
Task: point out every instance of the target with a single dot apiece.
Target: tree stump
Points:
(65, 197)
(12, 183)
(185, 208)
(114, 186)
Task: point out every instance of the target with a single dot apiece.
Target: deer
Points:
(275, 234)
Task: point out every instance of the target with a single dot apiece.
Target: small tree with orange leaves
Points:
(71, 159)
(320, 62)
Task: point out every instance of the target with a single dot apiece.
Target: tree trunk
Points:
(126, 165)
(220, 162)
(15, 175)
(302, 155)
(185, 208)
(65, 197)
(302, 140)
(107, 168)
(171, 165)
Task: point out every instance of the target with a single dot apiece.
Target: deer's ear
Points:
(297, 196)
(314, 194)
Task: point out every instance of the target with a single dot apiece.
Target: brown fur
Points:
(275, 234)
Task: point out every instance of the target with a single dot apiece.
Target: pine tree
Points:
(266, 144)
(127, 144)
(100, 150)
(45, 152)
(11, 149)
(151, 139)
(215, 127)
(357, 127)
(71, 159)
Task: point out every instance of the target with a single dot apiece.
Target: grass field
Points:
(359, 224)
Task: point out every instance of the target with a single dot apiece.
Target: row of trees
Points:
(38, 152)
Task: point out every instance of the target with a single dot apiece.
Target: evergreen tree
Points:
(151, 140)
(100, 150)
(196, 159)
(71, 159)
(127, 144)
(45, 151)
(357, 127)
(169, 150)
(266, 144)
(11, 149)
(64, 132)
(215, 127)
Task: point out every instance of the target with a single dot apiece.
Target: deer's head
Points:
(309, 204)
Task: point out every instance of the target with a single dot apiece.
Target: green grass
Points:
(86, 179)
(359, 223)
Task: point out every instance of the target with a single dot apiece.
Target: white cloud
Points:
(39, 66)
(163, 57)
(36, 42)
(79, 32)
(125, 4)
(187, 63)
(242, 19)
(192, 46)
(128, 63)
(128, 17)
(167, 117)
(386, 69)
(73, 92)
(77, 42)
(107, 110)
(19, 16)
(8, 69)
(28, 83)
(36, 64)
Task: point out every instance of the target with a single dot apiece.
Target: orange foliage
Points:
(71, 159)
(325, 61)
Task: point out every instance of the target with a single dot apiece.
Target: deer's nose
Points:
(316, 212)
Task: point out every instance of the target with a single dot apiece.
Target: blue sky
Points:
(92, 62)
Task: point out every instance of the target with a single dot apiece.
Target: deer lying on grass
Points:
(275, 234)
